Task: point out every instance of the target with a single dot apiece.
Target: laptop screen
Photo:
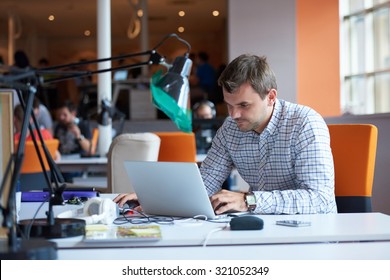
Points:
(169, 188)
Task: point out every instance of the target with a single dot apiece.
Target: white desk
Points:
(332, 236)
(72, 163)
(309, 251)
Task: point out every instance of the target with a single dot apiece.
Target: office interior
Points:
(301, 39)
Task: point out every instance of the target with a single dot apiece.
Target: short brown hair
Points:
(250, 69)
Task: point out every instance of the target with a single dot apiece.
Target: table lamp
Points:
(169, 93)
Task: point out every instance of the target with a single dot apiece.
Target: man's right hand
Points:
(122, 198)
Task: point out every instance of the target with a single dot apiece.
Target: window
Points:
(365, 56)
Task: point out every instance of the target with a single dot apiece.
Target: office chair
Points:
(94, 140)
(177, 146)
(31, 174)
(129, 146)
(354, 151)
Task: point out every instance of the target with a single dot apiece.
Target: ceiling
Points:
(73, 17)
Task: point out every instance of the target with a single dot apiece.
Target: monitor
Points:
(205, 130)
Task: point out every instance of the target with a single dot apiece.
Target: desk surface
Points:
(75, 163)
(70, 163)
(324, 228)
(354, 227)
(76, 158)
(307, 251)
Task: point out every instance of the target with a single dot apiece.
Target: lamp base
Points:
(62, 228)
(32, 249)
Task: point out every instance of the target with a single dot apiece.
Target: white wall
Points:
(266, 27)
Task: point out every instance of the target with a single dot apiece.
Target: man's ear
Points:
(272, 96)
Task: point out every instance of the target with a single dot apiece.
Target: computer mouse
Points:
(130, 204)
(248, 222)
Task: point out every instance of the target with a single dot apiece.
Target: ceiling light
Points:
(87, 32)
(215, 13)
(51, 17)
(182, 13)
(181, 29)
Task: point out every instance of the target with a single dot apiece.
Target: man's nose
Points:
(235, 113)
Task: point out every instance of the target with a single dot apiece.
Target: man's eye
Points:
(244, 105)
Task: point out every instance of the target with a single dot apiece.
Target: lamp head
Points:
(170, 92)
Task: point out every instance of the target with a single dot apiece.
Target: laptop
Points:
(170, 188)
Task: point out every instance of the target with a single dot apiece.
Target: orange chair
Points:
(354, 151)
(177, 146)
(94, 140)
(31, 174)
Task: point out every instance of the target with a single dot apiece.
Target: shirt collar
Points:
(276, 115)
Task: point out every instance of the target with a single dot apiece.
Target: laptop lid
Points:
(169, 188)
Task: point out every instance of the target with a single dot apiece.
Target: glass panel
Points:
(357, 46)
(346, 97)
(357, 95)
(365, 56)
(356, 5)
(382, 93)
(382, 39)
(376, 2)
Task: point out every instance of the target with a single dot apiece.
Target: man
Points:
(18, 122)
(206, 75)
(73, 134)
(43, 115)
(204, 110)
(282, 150)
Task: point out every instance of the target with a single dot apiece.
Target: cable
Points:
(142, 218)
(26, 235)
(212, 232)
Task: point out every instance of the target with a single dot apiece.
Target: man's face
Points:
(204, 112)
(64, 116)
(246, 107)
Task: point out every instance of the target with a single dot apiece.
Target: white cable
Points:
(211, 232)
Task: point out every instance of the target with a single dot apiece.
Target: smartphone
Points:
(293, 223)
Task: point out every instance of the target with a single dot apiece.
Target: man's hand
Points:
(122, 198)
(224, 201)
(75, 130)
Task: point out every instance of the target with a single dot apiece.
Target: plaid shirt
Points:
(289, 166)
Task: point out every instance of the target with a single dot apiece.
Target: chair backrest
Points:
(177, 146)
(31, 161)
(31, 174)
(94, 140)
(354, 151)
(129, 146)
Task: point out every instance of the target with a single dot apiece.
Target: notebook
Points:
(169, 188)
(104, 233)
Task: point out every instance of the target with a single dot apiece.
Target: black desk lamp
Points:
(170, 94)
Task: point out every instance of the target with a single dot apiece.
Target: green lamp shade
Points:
(170, 94)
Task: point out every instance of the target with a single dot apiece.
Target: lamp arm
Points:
(154, 58)
(178, 38)
(94, 61)
(16, 80)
